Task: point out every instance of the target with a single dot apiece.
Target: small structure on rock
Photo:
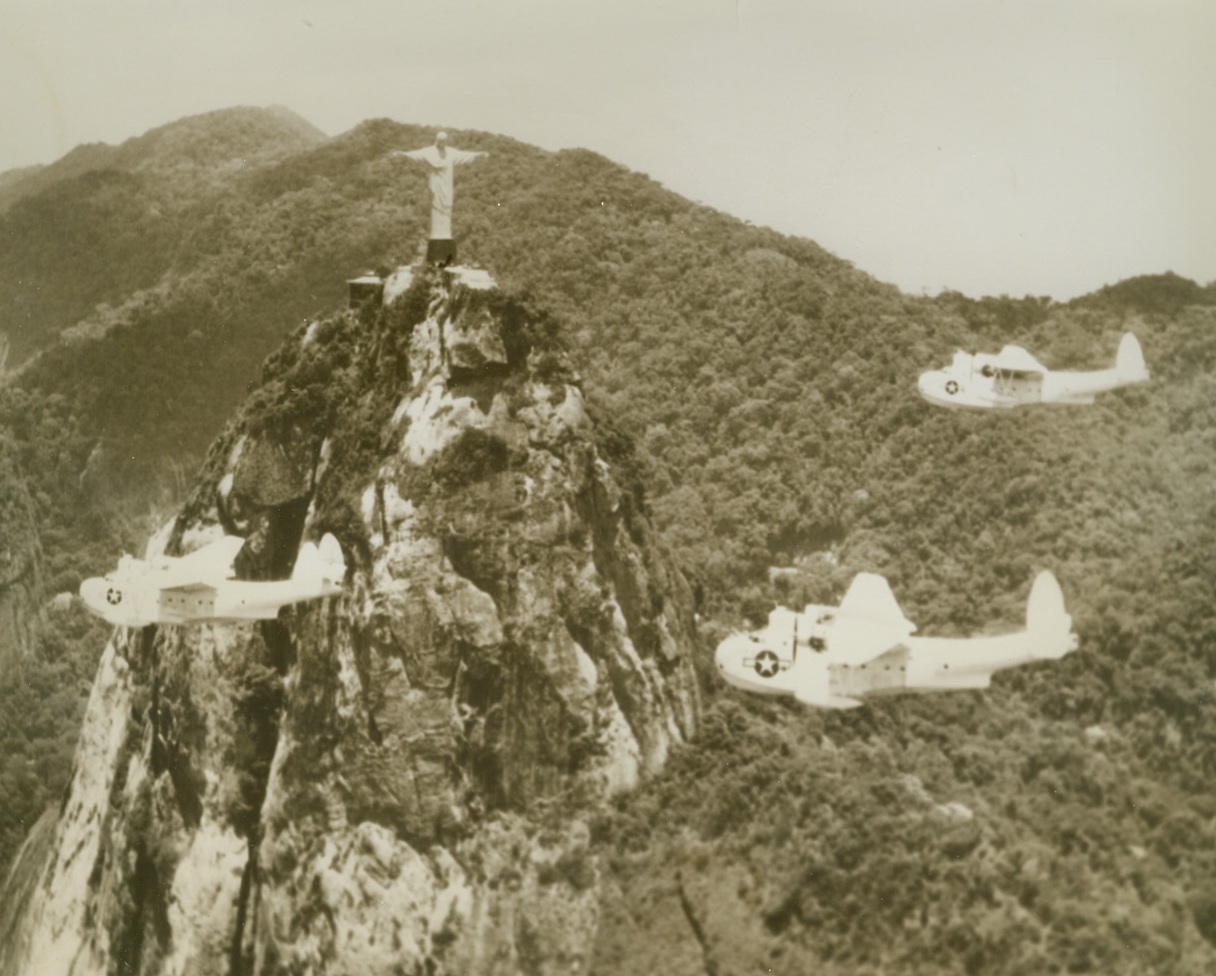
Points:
(368, 287)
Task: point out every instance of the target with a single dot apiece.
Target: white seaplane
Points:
(832, 657)
(1014, 378)
(200, 588)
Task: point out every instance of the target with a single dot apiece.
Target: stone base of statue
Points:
(440, 252)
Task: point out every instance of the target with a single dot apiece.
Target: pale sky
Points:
(1043, 147)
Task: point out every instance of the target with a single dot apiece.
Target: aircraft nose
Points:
(932, 384)
(730, 653)
(93, 593)
(104, 597)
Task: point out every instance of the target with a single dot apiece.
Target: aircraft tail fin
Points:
(1047, 622)
(1129, 363)
(323, 563)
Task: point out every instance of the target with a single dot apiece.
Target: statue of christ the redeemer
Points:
(441, 160)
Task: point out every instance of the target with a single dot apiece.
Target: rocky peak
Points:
(356, 786)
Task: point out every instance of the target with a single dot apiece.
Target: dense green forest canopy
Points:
(770, 389)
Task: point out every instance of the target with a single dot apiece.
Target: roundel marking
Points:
(951, 387)
(767, 664)
(113, 596)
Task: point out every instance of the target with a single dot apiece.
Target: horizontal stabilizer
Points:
(1129, 363)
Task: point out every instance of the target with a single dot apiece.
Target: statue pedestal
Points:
(441, 252)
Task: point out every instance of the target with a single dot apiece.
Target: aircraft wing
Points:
(870, 596)
(203, 568)
(1015, 359)
(192, 588)
(869, 621)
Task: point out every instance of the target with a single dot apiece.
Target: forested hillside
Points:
(772, 390)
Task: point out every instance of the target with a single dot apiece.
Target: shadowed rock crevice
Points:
(481, 384)
(147, 932)
(175, 729)
(240, 962)
(698, 930)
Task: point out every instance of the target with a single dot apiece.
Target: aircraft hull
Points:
(232, 602)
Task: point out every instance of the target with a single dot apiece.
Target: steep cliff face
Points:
(390, 781)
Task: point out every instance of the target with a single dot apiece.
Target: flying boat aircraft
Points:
(833, 657)
(200, 587)
(1014, 378)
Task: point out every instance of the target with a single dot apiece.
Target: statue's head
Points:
(441, 138)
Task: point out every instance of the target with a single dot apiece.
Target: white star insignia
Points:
(766, 664)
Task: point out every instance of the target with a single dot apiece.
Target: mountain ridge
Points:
(235, 132)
